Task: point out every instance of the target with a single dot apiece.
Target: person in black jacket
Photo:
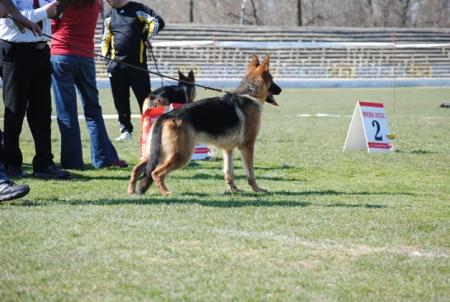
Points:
(127, 31)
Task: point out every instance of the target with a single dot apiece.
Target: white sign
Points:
(368, 129)
(201, 152)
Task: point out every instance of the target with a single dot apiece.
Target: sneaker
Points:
(124, 136)
(15, 172)
(51, 172)
(9, 190)
(119, 163)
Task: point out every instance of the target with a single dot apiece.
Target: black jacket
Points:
(125, 31)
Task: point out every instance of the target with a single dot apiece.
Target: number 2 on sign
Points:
(378, 137)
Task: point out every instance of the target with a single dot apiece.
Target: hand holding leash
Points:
(19, 20)
(35, 28)
(51, 8)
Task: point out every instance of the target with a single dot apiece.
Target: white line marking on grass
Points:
(105, 116)
(322, 115)
(354, 250)
(114, 116)
(435, 117)
(329, 245)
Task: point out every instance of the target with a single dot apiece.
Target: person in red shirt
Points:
(72, 57)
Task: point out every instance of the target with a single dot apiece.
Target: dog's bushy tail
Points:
(155, 156)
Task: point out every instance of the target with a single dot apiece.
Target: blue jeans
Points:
(71, 71)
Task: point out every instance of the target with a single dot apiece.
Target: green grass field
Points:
(335, 226)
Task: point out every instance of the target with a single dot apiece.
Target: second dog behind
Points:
(182, 93)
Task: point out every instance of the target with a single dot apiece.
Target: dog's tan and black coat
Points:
(227, 122)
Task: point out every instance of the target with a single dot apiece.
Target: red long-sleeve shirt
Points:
(73, 32)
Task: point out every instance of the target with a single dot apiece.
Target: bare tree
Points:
(369, 12)
(258, 20)
(405, 6)
(242, 14)
(299, 12)
(253, 13)
(380, 13)
(312, 15)
(191, 11)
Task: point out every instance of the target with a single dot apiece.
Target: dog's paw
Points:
(234, 190)
(131, 191)
(166, 193)
(259, 190)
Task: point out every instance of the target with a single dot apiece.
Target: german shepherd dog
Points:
(227, 122)
(182, 93)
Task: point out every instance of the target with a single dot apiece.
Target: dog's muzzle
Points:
(273, 90)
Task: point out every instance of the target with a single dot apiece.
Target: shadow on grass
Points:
(204, 203)
(80, 176)
(84, 178)
(236, 177)
(416, 151)
(231, 200)
(198, 176)
(152, 200)
(334, 192)
(217, 165)
(211, 164)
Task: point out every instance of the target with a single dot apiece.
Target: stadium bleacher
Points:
(300, 52)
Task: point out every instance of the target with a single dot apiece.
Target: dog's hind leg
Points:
(228, 170)
(178, 148)
(247, 159)
(174, 162)
(159, 176)
(137, 171)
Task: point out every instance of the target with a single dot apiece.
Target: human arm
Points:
(46, 10)
(153, 22)
(56, 19)
(18, 18)
(3, 11)
(106, 37)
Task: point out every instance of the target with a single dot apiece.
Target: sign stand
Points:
(368, 129)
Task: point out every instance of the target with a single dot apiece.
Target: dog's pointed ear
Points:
(180, 75)
(191, 76)
(265, 63)
(254, 62)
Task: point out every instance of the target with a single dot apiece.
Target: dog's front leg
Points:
(228, 170)
(247, 159)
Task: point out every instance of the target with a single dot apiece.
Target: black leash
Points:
(142, 69)
(154, 61)
(136, 67)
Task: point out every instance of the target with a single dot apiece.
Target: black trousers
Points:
(121, 79)
(26, 90)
